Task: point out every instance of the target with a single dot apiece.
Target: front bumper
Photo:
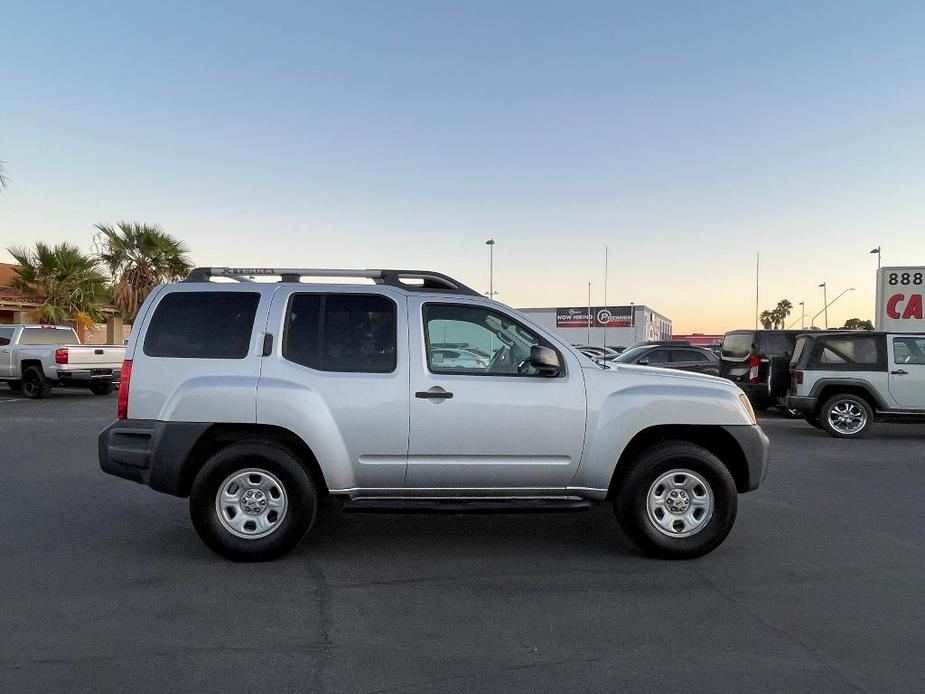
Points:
(755, 447)
(149, 452)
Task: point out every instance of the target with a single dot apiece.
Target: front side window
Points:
(464, 339)
(909, 350)
(202, 325)
(341, 332)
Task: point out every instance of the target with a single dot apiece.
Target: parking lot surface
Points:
(106, 588)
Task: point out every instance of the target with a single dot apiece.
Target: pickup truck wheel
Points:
(252, 501)
(34, 383)
(678, 501)
(846, 416)
(102, 388)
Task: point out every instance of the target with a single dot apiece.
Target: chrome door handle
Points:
(899, 372)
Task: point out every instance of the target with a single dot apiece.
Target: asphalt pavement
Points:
(104, 586)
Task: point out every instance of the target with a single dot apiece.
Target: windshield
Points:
(631, 355)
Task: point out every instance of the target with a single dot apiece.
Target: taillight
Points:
(798, 378)
(754, 363)
(124, 381)
(61, 356)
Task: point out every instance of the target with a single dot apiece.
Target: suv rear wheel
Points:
(846, 416)
(678, 501)
(252, 501)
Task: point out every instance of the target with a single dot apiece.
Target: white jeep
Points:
(256, 398)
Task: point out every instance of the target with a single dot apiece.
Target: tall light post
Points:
(491, 268)
(802, 306)
(825, 304)
(877, 251)
(826, 307)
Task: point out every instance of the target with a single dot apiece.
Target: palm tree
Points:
(783, 309)
(767, 319)
(68, 281)
(3, 178)
(140, 257)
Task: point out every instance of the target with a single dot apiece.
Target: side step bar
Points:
(506, 505)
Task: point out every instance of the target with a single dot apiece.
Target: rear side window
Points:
(798, 350)
(689, 355)
(737, 345)
(6, 335)
(776, 344)
(202, 325)
(341, 332)
(849, 354)
(47, 336)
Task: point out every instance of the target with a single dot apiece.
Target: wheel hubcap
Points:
(680, 503)
(847, 417)
(251, 503)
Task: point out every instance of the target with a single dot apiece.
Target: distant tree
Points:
(69, 282)
(3, 177)
(776, 318)
(857, 324)
(140, 257)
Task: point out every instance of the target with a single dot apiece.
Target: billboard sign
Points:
(900, 298)
(600, 317)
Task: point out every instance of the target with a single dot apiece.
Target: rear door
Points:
(692, 360)
(495, 426)
(338, 378)
(907, 371)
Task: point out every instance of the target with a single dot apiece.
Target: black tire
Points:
(630, 503)
(853, 401)
(34, 383)
(15, 386)
(102, 388)
(300, 495)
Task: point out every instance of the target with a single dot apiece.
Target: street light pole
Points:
(802, 317)
(825, 305)
(491, 268)
(877, 251)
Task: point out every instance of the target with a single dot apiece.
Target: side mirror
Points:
(643, 362)
(544, 360)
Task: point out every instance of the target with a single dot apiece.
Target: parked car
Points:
(254, 399)
(758, 361)
(671, 357)
(36, 358)
(458, 358)
(597, 353)
(843, 381)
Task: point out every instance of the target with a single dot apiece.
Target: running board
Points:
(506, 505)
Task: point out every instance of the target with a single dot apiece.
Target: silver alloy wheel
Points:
(847, 417)
(251, 503)
(680, 503)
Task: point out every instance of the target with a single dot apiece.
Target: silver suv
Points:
(256, 399)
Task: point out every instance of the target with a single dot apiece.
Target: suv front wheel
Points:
(678, 501)
(252, 501)
(846, 416)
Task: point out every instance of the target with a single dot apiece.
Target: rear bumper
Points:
(755, 447)
(803, 403)
(86, 376)
(149, 452)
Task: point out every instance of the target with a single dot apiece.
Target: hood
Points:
(675, 374)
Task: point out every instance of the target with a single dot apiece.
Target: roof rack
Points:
(428, 281)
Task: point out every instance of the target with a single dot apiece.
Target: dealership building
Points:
(615, 326)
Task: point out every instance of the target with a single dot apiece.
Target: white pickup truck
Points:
(35, 358)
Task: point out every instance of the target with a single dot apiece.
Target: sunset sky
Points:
(685, 136)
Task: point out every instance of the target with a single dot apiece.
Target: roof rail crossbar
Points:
(420, 280)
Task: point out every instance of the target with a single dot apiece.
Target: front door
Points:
(488, 421)
(907, 371)
(6, 337)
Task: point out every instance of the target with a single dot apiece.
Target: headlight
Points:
(749, 410)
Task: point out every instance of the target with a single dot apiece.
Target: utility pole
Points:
(491, 268)
(803, 315)
(589, 314)
(604, 331)
(757, 268)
